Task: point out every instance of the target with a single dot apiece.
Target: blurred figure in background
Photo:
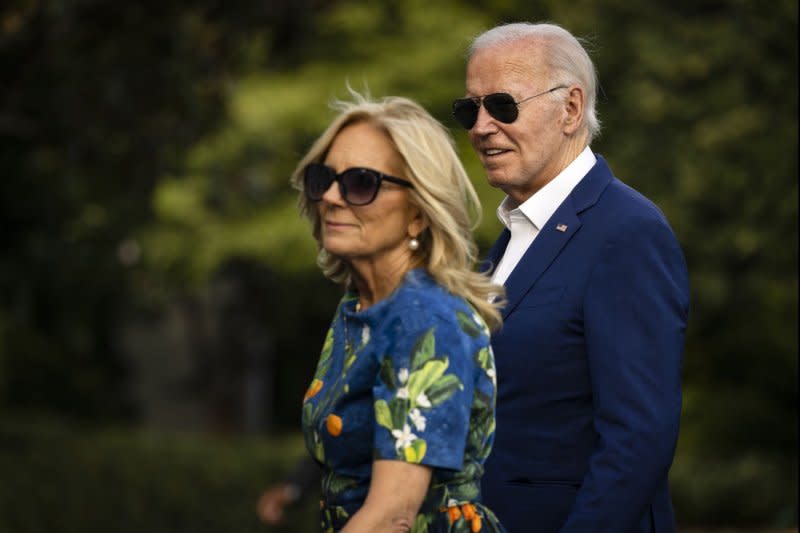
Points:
(400, 413)
(298, 485)
(589, 357)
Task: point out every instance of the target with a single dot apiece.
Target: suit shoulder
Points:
(629, 204)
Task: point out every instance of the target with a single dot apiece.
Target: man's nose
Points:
(485, 124)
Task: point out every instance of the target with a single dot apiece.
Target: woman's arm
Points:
(396, 492)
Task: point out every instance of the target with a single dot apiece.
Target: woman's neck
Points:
(376, 280)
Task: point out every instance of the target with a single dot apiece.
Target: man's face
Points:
(523, 156)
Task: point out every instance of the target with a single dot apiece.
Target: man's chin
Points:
(496, 179)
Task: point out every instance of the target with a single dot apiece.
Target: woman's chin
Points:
(340, 252)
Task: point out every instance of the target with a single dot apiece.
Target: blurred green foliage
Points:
(77, 480)
(146, 149)
(69, 479)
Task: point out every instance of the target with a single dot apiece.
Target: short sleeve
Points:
(423, 393)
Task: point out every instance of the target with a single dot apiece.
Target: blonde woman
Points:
(400, 412)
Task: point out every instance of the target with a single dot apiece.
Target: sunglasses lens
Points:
(502, 107)
(465, 110)
(317, 178)
(360, 186)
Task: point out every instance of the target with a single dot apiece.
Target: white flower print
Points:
(365, 335)
(481, 324)
(422, 400)
(403, 439)
(493, 375)
(417, 419)
(402, 375)
(402, 393)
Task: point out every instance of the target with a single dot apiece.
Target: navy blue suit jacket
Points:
(588, 368)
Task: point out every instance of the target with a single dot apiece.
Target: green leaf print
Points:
(325, 356)
(482, 415)
(483, 359)
(424, 350)
(387, 374)
(312, 444)
(420, 524)
(423, 378)
(307, 412)
(336, 484)
(319, 452)
(483, 423)
(341, 484)
(468, 324)
(382, 414)
(481, 400)
(476, 439)
(415, 452)
(472, 470)
(327, 346)
(441, 391)
(466, 492)
(399, 409)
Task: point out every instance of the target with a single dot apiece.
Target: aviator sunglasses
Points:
(358, 186)
(501, 106)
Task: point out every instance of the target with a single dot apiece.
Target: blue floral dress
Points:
(410, 379)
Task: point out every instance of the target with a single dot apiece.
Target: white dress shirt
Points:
(525, 221)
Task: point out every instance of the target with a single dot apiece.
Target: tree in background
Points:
(99, 101)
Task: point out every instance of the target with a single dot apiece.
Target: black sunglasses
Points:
(500, 106)
(358, 186)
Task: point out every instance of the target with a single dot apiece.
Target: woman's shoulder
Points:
(422, 303)
(421, 292)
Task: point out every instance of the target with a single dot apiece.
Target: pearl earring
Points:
(413, 244)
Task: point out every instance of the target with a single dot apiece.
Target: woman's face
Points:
(378, 232)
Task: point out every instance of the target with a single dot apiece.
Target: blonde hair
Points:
(442, 192)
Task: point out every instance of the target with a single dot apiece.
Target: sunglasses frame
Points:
(486, 102)
(332, 175)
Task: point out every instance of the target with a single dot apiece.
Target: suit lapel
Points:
(488, 265)
(552, 238)
(541, 253)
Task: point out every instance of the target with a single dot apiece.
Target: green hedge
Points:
(57, 477)
(752, 491)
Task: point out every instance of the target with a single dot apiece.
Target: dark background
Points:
(160, 308)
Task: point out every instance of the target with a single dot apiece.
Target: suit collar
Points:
(540, 206)
(589, 189)
(555, 234)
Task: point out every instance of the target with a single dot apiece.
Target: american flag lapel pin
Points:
(561, 227)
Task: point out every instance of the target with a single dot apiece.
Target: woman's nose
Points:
(334, 194)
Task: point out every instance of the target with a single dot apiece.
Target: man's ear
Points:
(574, 110)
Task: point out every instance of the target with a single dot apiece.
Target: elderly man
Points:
(589, 357)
